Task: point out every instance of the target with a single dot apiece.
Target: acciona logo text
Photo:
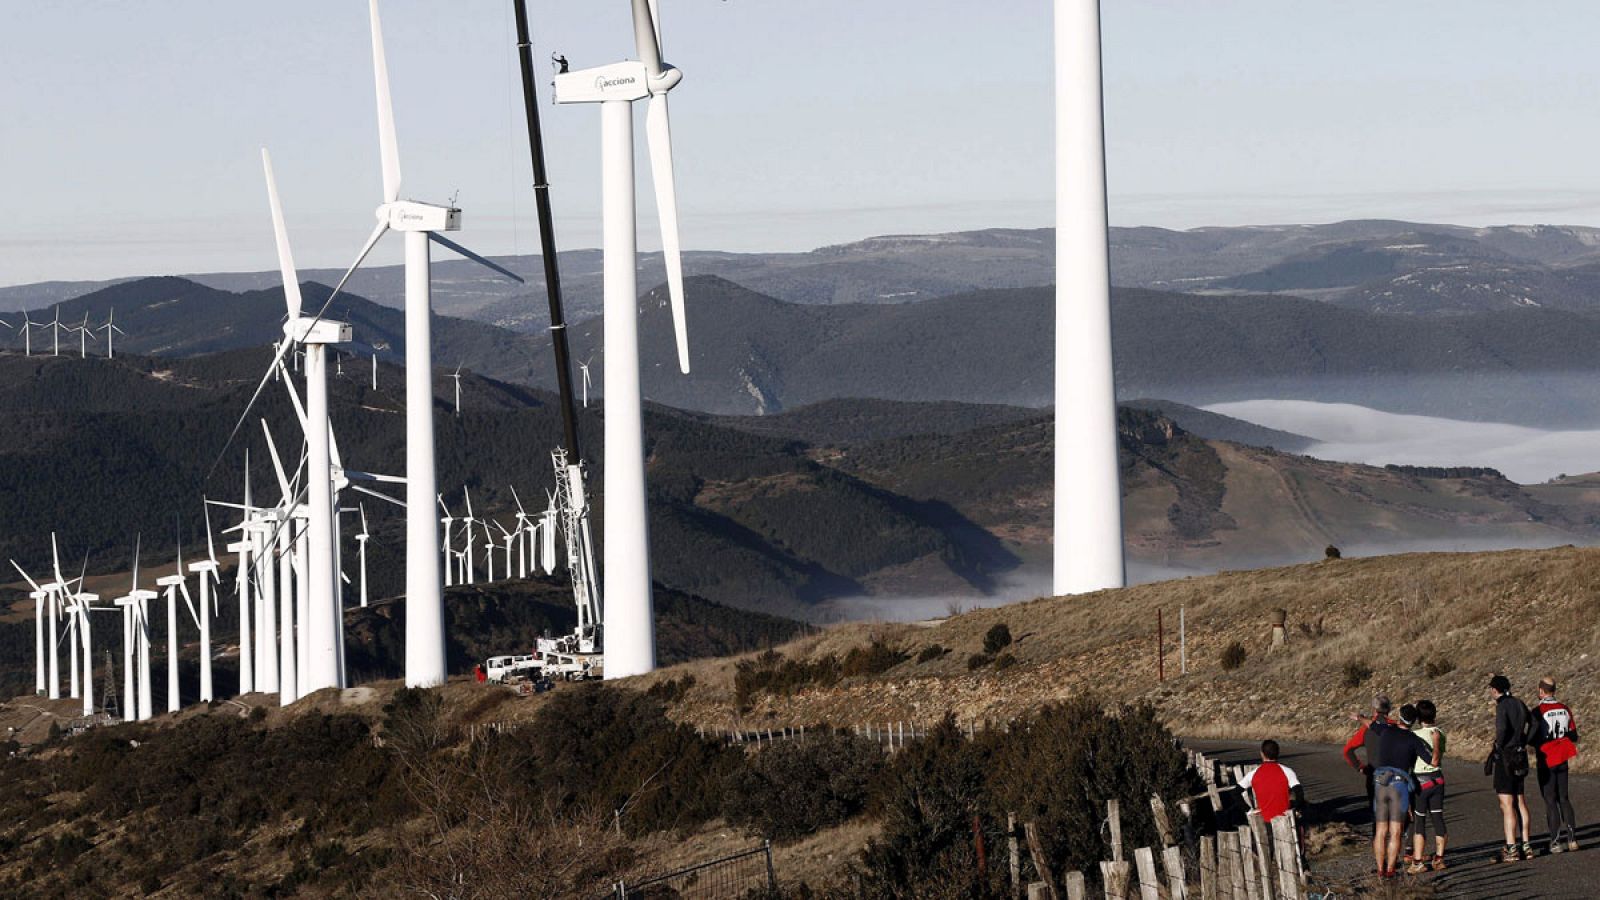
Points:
(602, 83)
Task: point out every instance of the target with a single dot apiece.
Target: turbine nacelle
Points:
(311, 330)
(629, 80)
(410, 215)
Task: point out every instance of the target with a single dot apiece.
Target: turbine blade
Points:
(645, 38)
(30, 581)
(457, 248)
(277, 360)
(211, 544)
(183, 588)
(388, 146)
(372, 493)
(658, 130)
(277, 463)
(280, 232)
(363, 508)
(55, 556)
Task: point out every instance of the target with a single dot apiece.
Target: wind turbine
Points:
(83, 603)
(457, 376)
(468, 522)
(510, 538)
(207, 570)
(175, 584)
(446, 520)
(245, 546)
(136, 697)
(83, 337)
(324, 619)
(361, 547)
(55, 328)
(38, 595)
(283, 554)
(111, 329)
(27, 333)
(522, 536)
(630, 626)
(1088, 552)
(583, 368)
(488, 553)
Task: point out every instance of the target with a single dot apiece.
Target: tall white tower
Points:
(1088, 501)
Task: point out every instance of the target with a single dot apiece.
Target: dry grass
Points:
(1525, 613)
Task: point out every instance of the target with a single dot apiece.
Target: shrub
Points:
(874, 659)
(1355, 673)
(977, 661)
(1331, 552)
(770, 673)
(258, 714)
(930, 653)
(997, 638)
(795, 788)
(1004, 661)
(1233, 656)
(672, 690)
(1438, 668)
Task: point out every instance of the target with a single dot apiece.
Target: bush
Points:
(977, 661)
(1438, 668)
(672, 690)
(1004, 661)
(874, 659)
(1331, 552)
(1233, 656)
(996, 639)
(795, 788)
(1356, 673)
(930, 653)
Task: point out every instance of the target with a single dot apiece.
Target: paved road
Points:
(1336, 793)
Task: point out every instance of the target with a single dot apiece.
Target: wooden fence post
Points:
(1038, 891)
(1263, 844)
(1114, 817)
(1016, 858)
(1149, 883)
(1041, 864)
(1228, 865)
(1163, 821)
(1247, 864)
(1115, 876)
(1177, 884)
(1287, 850)
(1077, 889)
(1208, 868)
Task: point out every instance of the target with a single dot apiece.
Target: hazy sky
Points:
(129, 131)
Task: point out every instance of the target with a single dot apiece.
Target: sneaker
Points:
(1417, 867)
(1438, 864)
(1556, 847)
(1572, 844)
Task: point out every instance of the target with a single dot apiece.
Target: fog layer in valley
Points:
(1349, 433)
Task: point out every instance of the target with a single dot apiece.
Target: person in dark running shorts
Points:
(1358, 741)
(1508, 763)
(1555, 736)
(1393, 754)
(1429, 805)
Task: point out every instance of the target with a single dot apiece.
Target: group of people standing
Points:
(1402, 757)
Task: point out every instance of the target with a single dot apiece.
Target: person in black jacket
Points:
(1508, 762)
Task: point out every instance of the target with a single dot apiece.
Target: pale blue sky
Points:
(129, 131)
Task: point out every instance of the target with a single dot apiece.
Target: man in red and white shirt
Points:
(1555, 737)
(1274, 786)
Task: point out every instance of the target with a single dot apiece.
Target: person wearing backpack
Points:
(1429, 805)
(1508, 763)
(1555, 738)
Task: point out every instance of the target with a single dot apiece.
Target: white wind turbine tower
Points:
(175, 584)
(83, 604)
(245, 546)
(111, 329)
(488, 552)
(209, 581)
(509, 538)
(361, 548)
(583, 368)
(40, 597)
(630, 625)
(55, 327)
(83, 337)
(449, 565)
(1088, 552)
(137, 700)
(457, 376)
(280, 550)
(523, 537)
(27, 333)
(470, 575)
(548, 527)
(324, 620)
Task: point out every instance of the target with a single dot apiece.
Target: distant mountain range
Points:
(753, 354)
(1376, 265)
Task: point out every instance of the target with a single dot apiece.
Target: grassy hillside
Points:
(1416, 625)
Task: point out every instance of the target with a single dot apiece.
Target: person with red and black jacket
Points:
(1555, 738)
(1361, 741)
